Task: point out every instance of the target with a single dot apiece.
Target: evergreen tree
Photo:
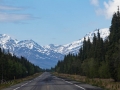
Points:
(113, 51)
(13, 67)
(99, 59)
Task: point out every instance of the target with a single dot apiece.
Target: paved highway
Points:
(48, 82)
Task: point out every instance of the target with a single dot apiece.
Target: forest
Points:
(13, 67)
(96, 59)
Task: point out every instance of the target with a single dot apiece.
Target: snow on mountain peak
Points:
(75, 46)
(7, 42)
(104, 33)
(46, 56)
(4, 38)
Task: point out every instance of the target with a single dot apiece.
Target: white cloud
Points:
(109, 9)
(94, 2)
(9, 8)
(5, 17)
(7, 14)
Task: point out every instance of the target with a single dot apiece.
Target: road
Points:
(46, 81)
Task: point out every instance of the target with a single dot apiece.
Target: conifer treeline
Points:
(99, 59)
(12, 67)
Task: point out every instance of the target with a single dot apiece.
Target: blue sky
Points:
(54, 21)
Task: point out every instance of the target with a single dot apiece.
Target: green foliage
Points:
(99, 59)
(89, 60)
(12, 67)
(114, 47)
(104, 70)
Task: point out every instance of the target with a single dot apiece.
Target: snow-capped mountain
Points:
(45, 56)
(75, 46)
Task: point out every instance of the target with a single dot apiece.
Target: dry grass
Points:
(16, 81)
(107, 84)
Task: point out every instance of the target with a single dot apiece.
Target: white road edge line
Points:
(16, 88)
(24, 84)
(69, 82)
(72, 83)
(79, 87)
(20, 86)
(76, 85)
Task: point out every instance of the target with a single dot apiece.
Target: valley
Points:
(45, 56)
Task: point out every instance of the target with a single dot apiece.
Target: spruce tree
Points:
(113, 51)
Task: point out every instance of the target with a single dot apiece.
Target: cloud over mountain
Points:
(108, 8)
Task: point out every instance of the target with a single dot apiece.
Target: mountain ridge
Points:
(45, 56)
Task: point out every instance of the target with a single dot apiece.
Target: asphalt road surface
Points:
(46, 81)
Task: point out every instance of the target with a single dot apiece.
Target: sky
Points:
(54, 21)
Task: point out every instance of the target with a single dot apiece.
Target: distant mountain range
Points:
(45, 56)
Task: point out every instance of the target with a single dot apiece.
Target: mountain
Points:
(75, 46)
(45, 56)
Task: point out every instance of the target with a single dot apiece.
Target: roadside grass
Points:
(16, 81)
(106, 84)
